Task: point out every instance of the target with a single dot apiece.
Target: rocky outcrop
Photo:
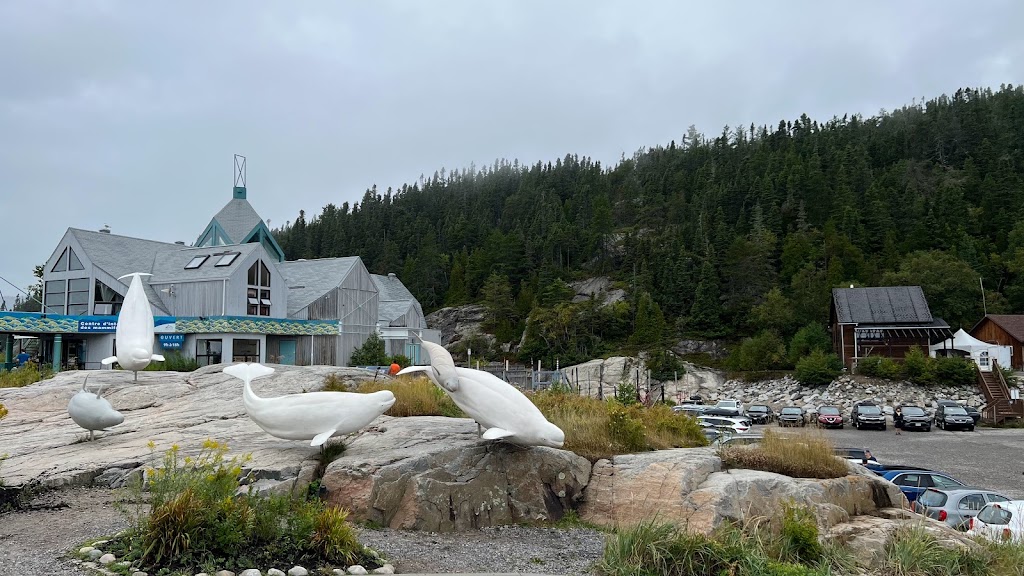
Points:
(167, 408)
(602, 377)
(712, 348)
(689, 487)
(457, 322)
(599, 288)
(867, 537)
(433, 473)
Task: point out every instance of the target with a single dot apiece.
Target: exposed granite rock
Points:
(457, 322)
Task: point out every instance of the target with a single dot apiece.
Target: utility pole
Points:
(984, 306)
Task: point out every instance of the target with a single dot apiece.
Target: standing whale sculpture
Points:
(92, 412)
(314, 416)
(134, 334)
(505, 412)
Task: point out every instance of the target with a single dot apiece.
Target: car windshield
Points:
(791, 411)
(868, 409)
(955, 411)
(912, 411)
(757, 409)
(830, 410)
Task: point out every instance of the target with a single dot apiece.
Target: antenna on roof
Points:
(239, 190)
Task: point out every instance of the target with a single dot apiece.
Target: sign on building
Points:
(171, 341)
(97, 325)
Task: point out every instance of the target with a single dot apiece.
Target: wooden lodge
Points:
(1004, 330)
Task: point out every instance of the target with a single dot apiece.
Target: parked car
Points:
(738, 440)
(792, 416)
(947, 417)
(760, 413)
(999, 521)
(729, 424)
(726, 408)
(955, 506)
(866, 415)
(913, 482)
(861, 456)
(973, 412)
(829, 417)
(912, 418)
(691, 409)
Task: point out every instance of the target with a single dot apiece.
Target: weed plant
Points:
(174, 362)
(799, 455)
(27, 374)
(413, 397)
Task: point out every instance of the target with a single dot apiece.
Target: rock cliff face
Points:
(457, 322)
(600, 288)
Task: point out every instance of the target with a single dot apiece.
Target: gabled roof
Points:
(308, 280)
(170, 266)
(237, 219)
(394, 298)
(882, 305)
(1012, 323)
(120, 255)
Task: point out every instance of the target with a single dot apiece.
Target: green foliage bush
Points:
(808, 339)
(766, 351)
(818, 369)
(194, 518)
(176, 362)
(371, 353)
(402, 360)
(28, 373)
(920, 369)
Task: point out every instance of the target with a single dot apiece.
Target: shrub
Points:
(176, 362)
(371, 353)
(818, 368)
(195, 519)
(878, 367)
(916, 366)
(954, 371)
(765, 351)
(912, 551)
(29, 373)
(801, 455)
(414, 397)
(808, 339)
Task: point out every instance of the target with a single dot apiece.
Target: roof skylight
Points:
(227, 259)
(196, 262)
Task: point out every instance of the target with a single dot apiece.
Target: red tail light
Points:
(970, 524)
(1006, 534)
(942, 515)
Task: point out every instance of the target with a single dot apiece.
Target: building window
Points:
(68, 261)
(196, 262)
(245, 350)
(78, 296)
(208, 351)
(227, 259)
(107, 300)
(258, 290)
(53, 298)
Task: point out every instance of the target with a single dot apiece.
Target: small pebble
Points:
(385, 569)
(202, 574)
(95, 553)
(224, 573)
(338, 572)
(356, 569)
(275, 572)
(99, 543)
(89, 564)
(139, 574)
(107, 559)
(251, 572)
(85, 549)
(298, 571)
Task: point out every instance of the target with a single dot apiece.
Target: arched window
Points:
(258, 290)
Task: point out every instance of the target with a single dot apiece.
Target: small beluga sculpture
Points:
(134, 335)
(314, 416)
(505, 412)
(91, 411)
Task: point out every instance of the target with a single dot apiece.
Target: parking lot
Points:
(988, 457)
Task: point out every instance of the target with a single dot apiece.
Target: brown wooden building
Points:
(882, 321)
(1005, 330)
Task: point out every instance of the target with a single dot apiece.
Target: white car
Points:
(727, 423)
(999, 521)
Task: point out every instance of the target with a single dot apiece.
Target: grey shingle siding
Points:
(893, 305)
(308, 280)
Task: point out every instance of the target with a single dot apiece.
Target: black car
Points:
(973, 413)
(760, 413)
(947, 417)
(912, 418)
(866, 415)
(792, 416)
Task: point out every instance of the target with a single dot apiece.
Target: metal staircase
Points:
(998, 405)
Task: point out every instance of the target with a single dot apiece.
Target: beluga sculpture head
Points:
(134, 336)
(92, 412)
(313, 416)
(505, 412)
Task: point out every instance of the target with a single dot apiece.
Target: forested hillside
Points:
(739, 234)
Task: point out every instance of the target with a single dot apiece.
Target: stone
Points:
(95, 553)
(85, 549)
(250, 572)
(601, 377)
(868, 536)
(338, 572)
(166, 407)
(202, 574)
(434, 474)
(600, 288)
(139, 574)
(275, 572)
(297, 571)
(458, 323)
(113, 477)
(99, 543)
(224, 573)
(107, 559)
(385, 569)
(357, 569)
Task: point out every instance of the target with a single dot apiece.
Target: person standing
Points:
(20, 359)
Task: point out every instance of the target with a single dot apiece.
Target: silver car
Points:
(955, 506)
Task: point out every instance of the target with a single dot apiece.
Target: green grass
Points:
(27, 374)
(174, 362)
(914, 552)
(799, 455)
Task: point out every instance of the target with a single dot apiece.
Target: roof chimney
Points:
(392, 275)
(105, 229)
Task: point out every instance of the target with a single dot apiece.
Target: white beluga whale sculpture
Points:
(91, 411)
(505, 412)
(314, 416)
(134, 334)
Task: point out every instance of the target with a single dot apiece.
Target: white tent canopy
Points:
(963, 344)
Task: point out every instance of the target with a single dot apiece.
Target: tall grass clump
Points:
(598, 429)
(799, 455)
(657, 549)
(175, 361)
(28, 373)
(912, 551)
(195, 519)
(414, 397)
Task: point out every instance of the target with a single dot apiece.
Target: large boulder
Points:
(603, 376)
(867, 537)
(435, 474)
(688, 486)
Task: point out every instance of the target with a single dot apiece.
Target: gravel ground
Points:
(987, 458)
(33, 542)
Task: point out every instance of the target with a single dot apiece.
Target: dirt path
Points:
(33, 542)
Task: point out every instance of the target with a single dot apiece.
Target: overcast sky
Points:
(128, 113)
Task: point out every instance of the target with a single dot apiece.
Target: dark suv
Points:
(947, 417)
(912, 418)
(867, 415)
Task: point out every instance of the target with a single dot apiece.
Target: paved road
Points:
(988, 457)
